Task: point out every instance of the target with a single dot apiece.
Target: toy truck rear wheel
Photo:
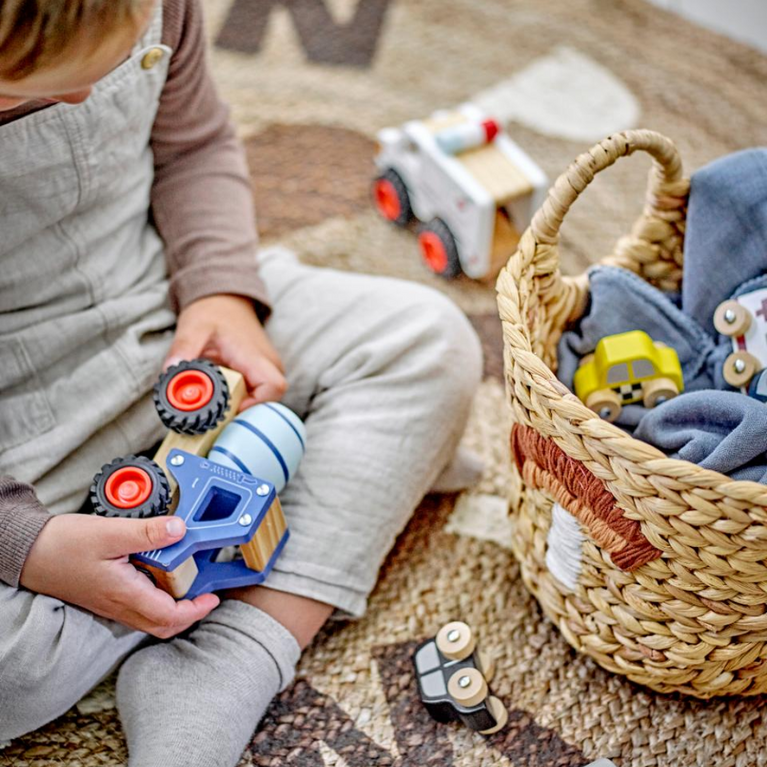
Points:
(658, 391)
(391, 198)
(133, 487)
(192, 397)
(498, 712)
(740, 368)
(439, 249)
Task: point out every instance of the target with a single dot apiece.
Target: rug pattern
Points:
(310, 83)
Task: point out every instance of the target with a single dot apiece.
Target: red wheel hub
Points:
(387, 199)
(433, 251)
(128, 487)
(189, 390)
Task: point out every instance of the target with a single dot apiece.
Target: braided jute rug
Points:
(310, 82)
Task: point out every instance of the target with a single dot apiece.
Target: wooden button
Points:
(151, 58)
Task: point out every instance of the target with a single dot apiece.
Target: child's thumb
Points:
(147, 534)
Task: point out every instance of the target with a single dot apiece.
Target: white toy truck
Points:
(472, 188)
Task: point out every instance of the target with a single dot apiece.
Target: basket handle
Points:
(653, 249)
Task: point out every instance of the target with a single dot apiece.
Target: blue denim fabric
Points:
(725, 256)
(726, 237)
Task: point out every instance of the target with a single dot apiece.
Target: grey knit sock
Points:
(196, 701)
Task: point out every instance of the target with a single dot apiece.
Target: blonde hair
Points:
(35, 33)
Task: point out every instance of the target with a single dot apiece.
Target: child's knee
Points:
(451, 354)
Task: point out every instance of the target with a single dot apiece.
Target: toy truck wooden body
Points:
(221, 472)
(473, 203)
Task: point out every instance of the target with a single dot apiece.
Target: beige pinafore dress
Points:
(84, 316)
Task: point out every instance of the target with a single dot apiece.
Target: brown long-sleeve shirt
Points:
(202, 206)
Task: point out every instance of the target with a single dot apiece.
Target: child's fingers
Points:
(161, 615)
(188, 344)
(181, 616)
(119, 537)
(265, 381)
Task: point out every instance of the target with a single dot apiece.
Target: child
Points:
(128, 242)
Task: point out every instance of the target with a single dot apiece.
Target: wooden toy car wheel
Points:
(658, 391)
(739, 368)
(456, 640)
(191, 397)
(498, 712)
(486, 664)
(605, 403)
(467, 687)
(439, 249)
(391, 198)
(134, 487)
(732, 319)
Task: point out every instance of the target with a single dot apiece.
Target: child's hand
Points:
(226, 330)
(83, 560)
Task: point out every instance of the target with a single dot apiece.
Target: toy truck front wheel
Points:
(391, 198)
(133, 487)
(439, 249)
(192, 397)
(605, 403)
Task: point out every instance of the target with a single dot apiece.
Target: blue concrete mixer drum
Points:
(267, 441)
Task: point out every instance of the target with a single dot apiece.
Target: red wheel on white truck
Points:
(439, 249)
(391, 198)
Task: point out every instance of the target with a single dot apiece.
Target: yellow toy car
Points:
(626, 368)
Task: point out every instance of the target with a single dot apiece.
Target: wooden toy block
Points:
(176, 582)
(454, 686)
(258, 551)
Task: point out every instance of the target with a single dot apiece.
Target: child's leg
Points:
(51, 654)
(383, 372)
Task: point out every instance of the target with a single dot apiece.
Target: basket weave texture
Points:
(671, 587)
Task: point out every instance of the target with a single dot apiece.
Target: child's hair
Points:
(35, 33)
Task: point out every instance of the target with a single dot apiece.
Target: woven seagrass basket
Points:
(654, 567)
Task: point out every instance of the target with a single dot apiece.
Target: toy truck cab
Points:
(473, 203)
(627, 368)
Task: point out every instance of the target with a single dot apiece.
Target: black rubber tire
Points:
(155, 505)
(193, 421)
(406, 209)
(442, 230)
